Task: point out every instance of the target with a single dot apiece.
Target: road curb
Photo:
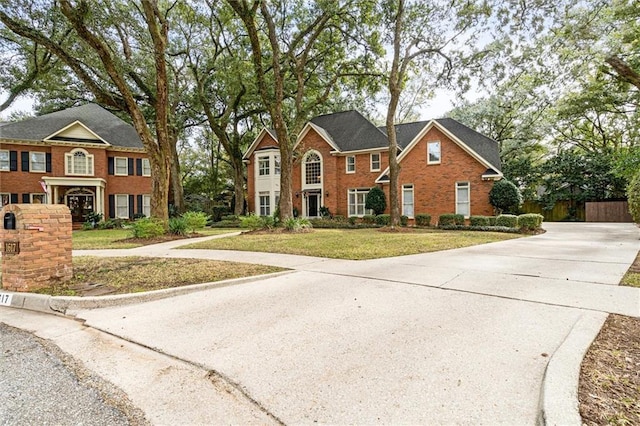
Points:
(68, 305)
(559, 392)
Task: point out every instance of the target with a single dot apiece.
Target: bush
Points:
(404, 220)
(505, 196)
(423, 219)
(492, 220)
(339, 218)
(252, 221)
(376, 200)
(353, 220)
(508, 220)
(383, 219)
(633, 197)
(325, 212)
(110, 224)
(147, 228)
(450, 219)
(230, 217)
(530, 221)
(195, 220)
(297, 224)
(369, 219)
(479, 221)
(178, 226)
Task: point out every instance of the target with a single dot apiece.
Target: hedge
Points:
(450, 219)
(383, 219)
(530, 221)
(423, 219)
(480, 221)
(508, 220)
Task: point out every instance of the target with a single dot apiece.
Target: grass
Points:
(121, 275)
(357, 244)
(96, 239)
(631, 279)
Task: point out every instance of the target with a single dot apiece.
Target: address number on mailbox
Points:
(11, 247)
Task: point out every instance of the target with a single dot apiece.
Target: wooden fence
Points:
(607, 211)
(559, 212)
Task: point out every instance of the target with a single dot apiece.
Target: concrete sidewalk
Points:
(462, 336)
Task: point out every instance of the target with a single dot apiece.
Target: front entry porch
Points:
(82, 195)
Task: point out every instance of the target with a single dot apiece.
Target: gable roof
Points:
(486, 147)
(108, 127)
(351, 131)
(257, 140)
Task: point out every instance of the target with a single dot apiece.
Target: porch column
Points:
(99, 199)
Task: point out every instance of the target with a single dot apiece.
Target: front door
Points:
(80, 205)
(313, 205)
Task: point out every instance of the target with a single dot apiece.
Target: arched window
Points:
(312, 169)
(79, 162)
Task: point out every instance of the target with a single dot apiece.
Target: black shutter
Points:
(139, 166)
(25, 161)
(131, 208)
(25, 198)
(110, 165)
(139, 197)
(14, 198)
(130, 166)
(13, 161)
(112, 206)
(48, 161)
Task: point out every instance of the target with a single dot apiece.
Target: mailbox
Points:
(9, 221)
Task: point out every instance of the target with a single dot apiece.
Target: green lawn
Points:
(354, 244)
(109, 238)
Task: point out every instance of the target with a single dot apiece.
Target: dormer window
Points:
(79, 162)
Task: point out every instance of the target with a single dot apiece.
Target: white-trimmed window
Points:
(263, 166)
(5, 199)
(351, 163)
(38, 198)
(433, 152)
(79, 162)
(146, 205)
(312, 169)
(37, 162)
(463, 200)
(276, 165)
(5, 162)
(357, 199)
(122, 206)
(146, 168)
(265, 203)
(407, 200)
(121, 167)
(375, 161)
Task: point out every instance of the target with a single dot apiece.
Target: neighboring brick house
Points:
(446, 167)
(84, 157)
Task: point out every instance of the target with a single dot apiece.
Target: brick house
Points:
(446, 167)
(84, 157)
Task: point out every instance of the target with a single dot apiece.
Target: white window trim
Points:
(346, 163)
(357, 191)
(68, 159)
(468, 186)
(44, 155)
(115, 166)
(266, 206)
(439, 152)
(263, 158)
(379, 161)
(306, 185)
(8, 168)
(413, 202)
(146, 205)
(34, 194)
(116, 207)
(146, 170)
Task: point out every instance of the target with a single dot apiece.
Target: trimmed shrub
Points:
(633, 197)
(505, 196)
(369, 219)
(147, 228)
(297, 224)
(404, 220)
(530, 221)
(479, 221)
(353, 220)
(339, 218)
(230, 217)
(376, 200)
(252, 221)
(178, 226)
(450, 219)
(383, 219)
(508, 220)
(423, 219)
(492, 220)
(195, 220)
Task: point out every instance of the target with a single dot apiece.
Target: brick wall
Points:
(45, 257)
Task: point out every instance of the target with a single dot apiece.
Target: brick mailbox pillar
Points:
(36, 245)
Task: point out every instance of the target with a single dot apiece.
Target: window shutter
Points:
(139, 197)
(25, 198)
(139, 166)
(13, 161)
(131, 209)
(110, 166)
(48, 161)
(130, 166)
(25, 161)
(14, 198)
(112, 206)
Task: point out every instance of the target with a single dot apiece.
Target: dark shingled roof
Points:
(103, 123)
(350, 131)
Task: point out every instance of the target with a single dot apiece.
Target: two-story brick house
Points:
(84, 157)
(446, 167)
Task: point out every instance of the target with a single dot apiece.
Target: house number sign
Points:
(11, 247)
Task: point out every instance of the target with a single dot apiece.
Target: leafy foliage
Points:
(297, 224)
(530, 221)
(450, 219)
(505, 196)
(423, 219)
(507, 220)
(633, 196)
(376, 201)
(147, 228)
(195, 220)
(177, 226)
(383, 219)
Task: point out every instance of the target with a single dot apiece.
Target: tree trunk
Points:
(623, 70)
(238, 187)
(176, 189)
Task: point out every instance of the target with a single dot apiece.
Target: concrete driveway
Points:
(456, 337)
